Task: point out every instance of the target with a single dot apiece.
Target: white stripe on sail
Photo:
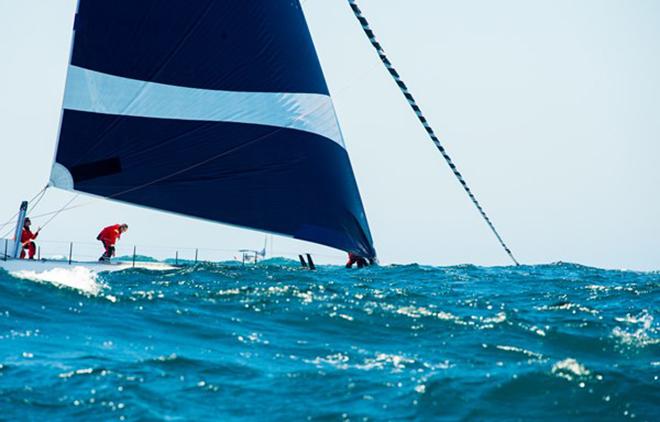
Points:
(88, 90)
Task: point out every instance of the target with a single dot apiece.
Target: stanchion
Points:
(310, 262)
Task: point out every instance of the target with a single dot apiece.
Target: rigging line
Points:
(420, 116)
(56, 213)
(46, 214)
(11, 220)
(7, 233)
(43, 193)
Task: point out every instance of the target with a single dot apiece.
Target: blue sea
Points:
(275, 342)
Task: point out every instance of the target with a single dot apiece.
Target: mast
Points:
(19, 228)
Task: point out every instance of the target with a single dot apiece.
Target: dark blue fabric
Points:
(278, 180)
(238, 45)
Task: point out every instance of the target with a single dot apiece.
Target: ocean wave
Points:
(559, 341)
(77, 277)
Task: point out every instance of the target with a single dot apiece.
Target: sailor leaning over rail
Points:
(109, 237)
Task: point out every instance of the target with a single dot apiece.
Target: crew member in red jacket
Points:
(356, 259)
(27, 240)
(109, 237)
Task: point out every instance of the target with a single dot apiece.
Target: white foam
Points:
(396, 363)
(520, 350)
(644, 335)
(418, 312)
(569, 368)
(573, 307)
(82, 371)
(79, 278)
(338, 360)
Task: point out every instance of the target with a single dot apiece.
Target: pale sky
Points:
(551, 110)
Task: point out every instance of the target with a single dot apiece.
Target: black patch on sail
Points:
(94, 169)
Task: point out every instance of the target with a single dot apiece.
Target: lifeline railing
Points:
(73, 252)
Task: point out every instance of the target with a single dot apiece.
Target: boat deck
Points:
(14, 265)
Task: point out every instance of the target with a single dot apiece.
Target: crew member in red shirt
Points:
(27, 240)
(356, 259)
(109, 237)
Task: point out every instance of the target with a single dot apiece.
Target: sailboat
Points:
(217, 111)
(208, 109)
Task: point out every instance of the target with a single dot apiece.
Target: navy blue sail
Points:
(208, 108)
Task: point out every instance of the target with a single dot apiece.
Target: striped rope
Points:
(413, 104)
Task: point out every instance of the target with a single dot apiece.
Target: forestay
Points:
(213, 109)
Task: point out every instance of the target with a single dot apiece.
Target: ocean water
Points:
(275, 342)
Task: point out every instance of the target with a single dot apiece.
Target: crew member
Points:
(27, 240)
(356, 259)
(109, 237)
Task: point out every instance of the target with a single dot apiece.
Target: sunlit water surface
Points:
(273, 341)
